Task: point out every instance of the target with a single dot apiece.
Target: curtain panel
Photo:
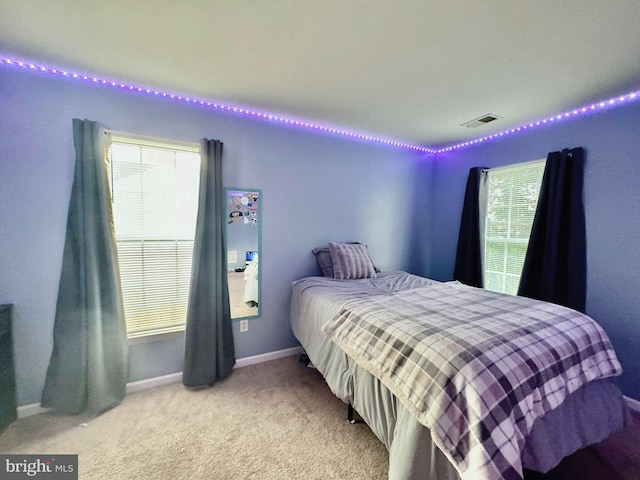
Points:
(555, 266)
(209, 349)
(468, 267)
(88, 369)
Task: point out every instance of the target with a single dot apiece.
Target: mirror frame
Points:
(226, 233)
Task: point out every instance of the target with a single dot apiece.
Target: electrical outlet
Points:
(244, 325)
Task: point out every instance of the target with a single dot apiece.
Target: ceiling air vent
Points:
(483, 120)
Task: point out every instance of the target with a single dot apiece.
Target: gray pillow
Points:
(323, 257)
(351, 261)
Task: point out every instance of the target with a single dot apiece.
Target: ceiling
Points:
(407, 70)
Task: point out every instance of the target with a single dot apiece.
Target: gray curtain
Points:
(88, 367)
(209, 350)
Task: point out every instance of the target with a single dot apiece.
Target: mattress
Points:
(586, 416)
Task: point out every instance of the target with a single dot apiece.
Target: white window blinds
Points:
(512, 198)
(155, 202)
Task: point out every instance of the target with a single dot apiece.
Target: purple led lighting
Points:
(577, 112)
(585, 110)
(213, 105)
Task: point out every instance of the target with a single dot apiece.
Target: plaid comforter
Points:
(475, 367)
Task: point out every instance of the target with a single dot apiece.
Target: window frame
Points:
(509, 240)
(148, 142)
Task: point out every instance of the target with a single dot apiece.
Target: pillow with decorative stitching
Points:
(323, 258)
(351, 261)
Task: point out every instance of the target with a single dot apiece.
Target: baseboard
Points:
(153, 382)
(240, 362)
(266, 357)
(31, 409)
(633, 404)
(35, 408)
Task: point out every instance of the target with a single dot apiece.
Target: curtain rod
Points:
(513, 165)
(149, 138)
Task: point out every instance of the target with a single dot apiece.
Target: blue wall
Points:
(315, 188)
(612, 207)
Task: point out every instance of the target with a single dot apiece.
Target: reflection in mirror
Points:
(243, 251)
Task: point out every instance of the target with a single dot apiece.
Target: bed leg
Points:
(304, 358)
(350, 415)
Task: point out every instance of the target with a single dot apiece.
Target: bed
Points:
(496, 415)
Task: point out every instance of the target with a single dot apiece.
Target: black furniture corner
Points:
(8, 404)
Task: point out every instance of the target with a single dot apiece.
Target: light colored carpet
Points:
(276, 420)
(239, 309)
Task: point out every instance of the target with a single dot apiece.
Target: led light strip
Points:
(213, 105)
(615, 101)
(553, 119)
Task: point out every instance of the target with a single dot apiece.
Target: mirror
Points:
(244, 242)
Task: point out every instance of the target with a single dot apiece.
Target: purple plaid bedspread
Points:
(475, 367)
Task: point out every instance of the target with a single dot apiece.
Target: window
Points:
(154, 189)
(512, 197)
